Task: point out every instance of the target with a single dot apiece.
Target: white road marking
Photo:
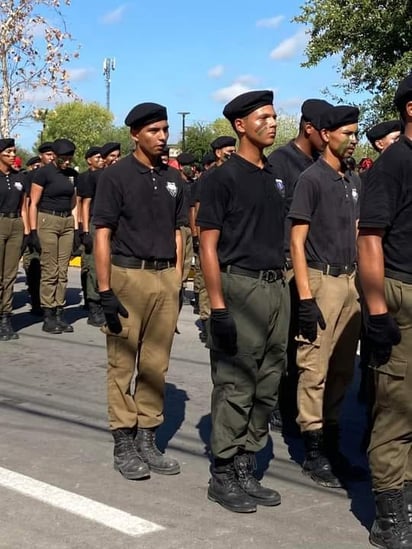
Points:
(76, 504)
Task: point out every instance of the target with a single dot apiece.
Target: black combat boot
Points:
(4, 334)
(407, 495)
(126, 457)
(245, 466)
(390, 529)
(96, 317)
(341, 466)
(225, 489)
(50, 323)
(63, 325)
(316, 464)
(145, 443)
(7, 326)
(33, 285)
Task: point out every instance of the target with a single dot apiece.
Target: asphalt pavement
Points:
(58, 488)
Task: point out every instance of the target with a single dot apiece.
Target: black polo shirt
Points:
(58, 187)
(11, 192)
(386, 203)
(187, 196)
(28, 178)
(329, 202)
(288, 162)
(198, 184)
(86, 187)
(142, 206)
(246, 205)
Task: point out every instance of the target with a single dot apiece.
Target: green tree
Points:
(198, 138)
(373, 41)
(85, 124)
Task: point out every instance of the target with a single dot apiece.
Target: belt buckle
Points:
(269, 276)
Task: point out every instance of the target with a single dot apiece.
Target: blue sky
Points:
(190, 56)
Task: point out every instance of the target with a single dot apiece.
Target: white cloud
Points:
(247, 79)
(290, 47)
(271, 22)
(216, 72)
(223, 95)
(79, 75)
(114, 16)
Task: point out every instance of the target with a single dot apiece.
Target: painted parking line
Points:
(76, 504)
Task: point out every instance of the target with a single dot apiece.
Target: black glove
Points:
(87, 240)
(25, 243)
(112, 308)
(34, 242)
(196, 244)
(309, 317)
(223, 331)
(76, 240)
(382, 333)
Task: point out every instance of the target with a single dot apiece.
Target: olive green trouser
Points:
(390, 448)
(198, 274)
(11, 238)
(245, 386)
(200, 288)
(92, 291)
(187, 252)
(56, 240)
(138, 358)
(325, 367)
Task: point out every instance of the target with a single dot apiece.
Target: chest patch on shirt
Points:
(71, 179)
(18, 186)
(355, 195)
(172, 188)
(280, 186)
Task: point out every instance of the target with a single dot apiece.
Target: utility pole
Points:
(183, 114)
(109, 65)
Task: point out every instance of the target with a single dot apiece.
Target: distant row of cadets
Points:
(291, 251)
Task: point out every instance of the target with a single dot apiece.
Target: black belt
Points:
(332, 270)
(288, 264)
(402, 277)
(54, 212)
(137, 263)
(268, 275)
(11, 215)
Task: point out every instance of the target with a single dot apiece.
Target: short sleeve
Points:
(108, 201)
(214, 198)
(304, 199)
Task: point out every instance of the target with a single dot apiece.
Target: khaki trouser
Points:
(187, 252)
(200, 288)
(138, 358)
(56, 239)
(198, 274)
(11, 238)
(326, 365)
(390, 448)
(245, 386)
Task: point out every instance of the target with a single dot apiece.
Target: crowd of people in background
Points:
(283, 286)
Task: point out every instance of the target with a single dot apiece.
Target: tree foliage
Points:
(33, 58)
(373, 40)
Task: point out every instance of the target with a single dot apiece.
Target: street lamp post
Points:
(183, 115)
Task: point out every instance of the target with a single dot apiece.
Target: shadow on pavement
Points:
(174, 415)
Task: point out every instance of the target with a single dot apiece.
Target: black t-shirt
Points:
(246, 205)
(288, 162)
(386, 203)
(187, 196)
(142, 206)
(330, 203)
(81, 183)
(58, 187)
(11, 192)
(28, 178)
(195, 197)
(86, 187)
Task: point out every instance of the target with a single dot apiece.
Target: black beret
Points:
(92, 151)
(186, 158)
(145, 113)
(404, 92)
(312, 110)
(33, 160)
(384, 128)
(6, 143)
(208, 158)
(45, 147)
(109, 148)
(336, 117)
(223, 141)
(244, 104)
(64, 147)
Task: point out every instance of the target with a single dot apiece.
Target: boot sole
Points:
(134, 476)
(229, 507)
(265, 503)
(322, 483)
(171, 471)
(375, 543)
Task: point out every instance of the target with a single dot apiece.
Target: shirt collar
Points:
(249, 166)
(159, 168)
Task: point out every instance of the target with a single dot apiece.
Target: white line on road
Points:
(76, 504)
